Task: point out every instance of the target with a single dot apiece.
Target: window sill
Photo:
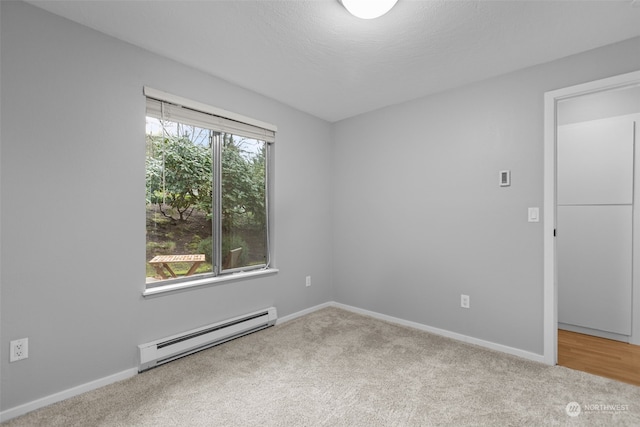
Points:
(210, 281)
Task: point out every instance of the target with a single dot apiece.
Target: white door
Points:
(595, 162)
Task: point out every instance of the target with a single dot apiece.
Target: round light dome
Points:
(368, 9)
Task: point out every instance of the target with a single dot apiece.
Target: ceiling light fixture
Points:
(368, 9)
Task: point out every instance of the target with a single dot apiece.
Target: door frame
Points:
(550, 288)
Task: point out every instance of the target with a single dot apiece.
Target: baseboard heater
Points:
(156, 353)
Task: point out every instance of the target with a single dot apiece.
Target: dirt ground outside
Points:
(167, 236)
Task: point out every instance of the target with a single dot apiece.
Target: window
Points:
(207, 191)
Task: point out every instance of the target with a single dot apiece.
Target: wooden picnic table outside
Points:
(161, 262)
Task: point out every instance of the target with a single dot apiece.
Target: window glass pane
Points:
(178, 200)
(243, 206)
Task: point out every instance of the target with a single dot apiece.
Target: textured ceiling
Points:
(314, 56)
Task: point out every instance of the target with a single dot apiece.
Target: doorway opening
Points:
(551, 102)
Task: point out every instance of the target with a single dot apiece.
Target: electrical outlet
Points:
(464, 301)
(308, 281)
(19, 349)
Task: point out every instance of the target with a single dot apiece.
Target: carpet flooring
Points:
(337, 368)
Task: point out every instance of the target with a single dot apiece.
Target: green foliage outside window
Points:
(178, 175)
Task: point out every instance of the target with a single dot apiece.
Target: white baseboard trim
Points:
(442, 332)
(304, 312)
(66, 394)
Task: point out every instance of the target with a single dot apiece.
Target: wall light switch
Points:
(534, 214)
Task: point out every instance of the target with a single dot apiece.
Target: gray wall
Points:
(419, 217)
(73, 247)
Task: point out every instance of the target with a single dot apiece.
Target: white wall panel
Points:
(595, 163)
(594, 267)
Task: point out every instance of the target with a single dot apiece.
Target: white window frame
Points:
(183, 110)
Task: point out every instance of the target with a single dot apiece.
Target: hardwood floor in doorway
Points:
(599, 356)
